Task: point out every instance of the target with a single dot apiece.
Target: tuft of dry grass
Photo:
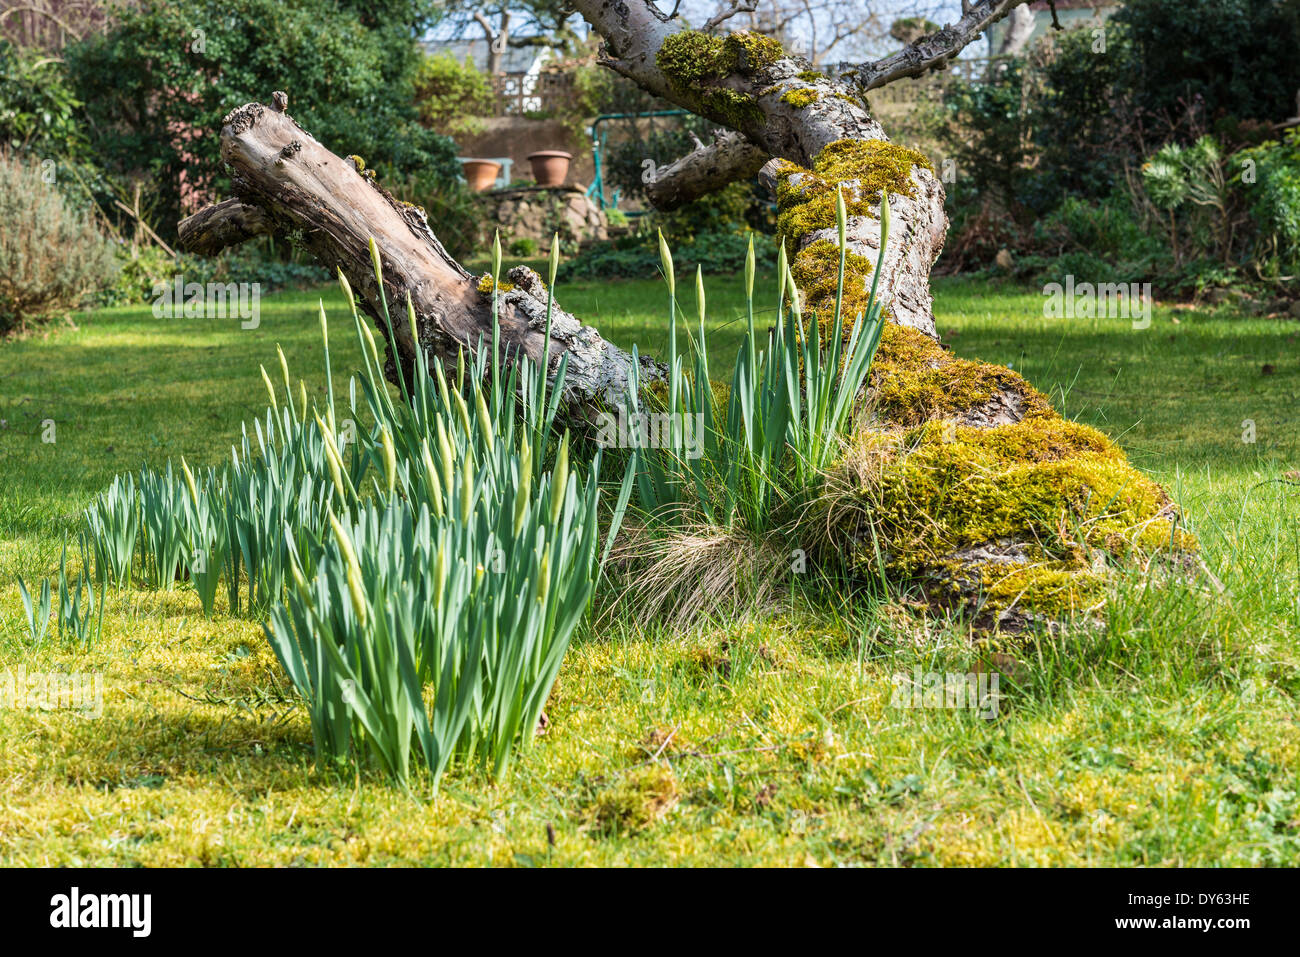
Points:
(695, 573)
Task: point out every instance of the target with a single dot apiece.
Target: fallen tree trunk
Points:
(969, 483)
(287, 183)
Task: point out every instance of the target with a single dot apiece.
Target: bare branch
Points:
(214, 228)
(737, 6)
(729, 158)
(932, 52)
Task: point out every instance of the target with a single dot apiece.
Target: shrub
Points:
(157, 84)
(1237, 57)
(1268, 176)
(38, 111)
(51, 256)
(451, 95)
(255, 261)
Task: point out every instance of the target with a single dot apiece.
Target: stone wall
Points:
(536, 212)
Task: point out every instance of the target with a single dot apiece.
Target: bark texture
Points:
(288, 183)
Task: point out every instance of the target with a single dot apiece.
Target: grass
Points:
(1170, 738)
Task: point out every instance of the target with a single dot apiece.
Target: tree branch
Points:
(286, 181)
(728, 158)
(769, 98)
(932, 52)
(214, 228)
(722, 16)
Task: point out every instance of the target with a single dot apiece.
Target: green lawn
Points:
(1169, 738)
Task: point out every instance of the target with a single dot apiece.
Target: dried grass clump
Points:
(690, 573)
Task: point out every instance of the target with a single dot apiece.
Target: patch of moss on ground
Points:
(642, 797)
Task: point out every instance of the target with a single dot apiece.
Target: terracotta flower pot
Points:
(481, 174)
(550, 167)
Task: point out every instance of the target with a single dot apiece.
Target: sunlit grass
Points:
(1170, 738)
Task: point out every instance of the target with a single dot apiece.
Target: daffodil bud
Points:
(666, 261)
(270, 389)
(841, 218)
(347, 289)
(560, 480)
(749, 269)
(374, 261)
(884, 220)
(390, 458)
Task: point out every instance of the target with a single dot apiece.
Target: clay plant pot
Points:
(550, 167)
(480, 174)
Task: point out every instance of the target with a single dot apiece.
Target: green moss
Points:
(753, 51)
(812, 76)
(801, 98)
(1053, 590)
(642, 797)
(816, 272)
(1061, 491)
(807, 203)
(694, 62)
(485, 285)
(915, 380)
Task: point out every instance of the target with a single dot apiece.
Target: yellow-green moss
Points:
(816, 272)
(805, 96)
(915, 380)
(1060, 489)
(812, 76)
(694, 61)
(872, 166)
(1053, 590)
(485, 285)
(642, 797)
